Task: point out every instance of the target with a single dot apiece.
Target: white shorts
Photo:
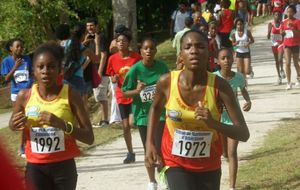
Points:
(100, 93)
(13, 97)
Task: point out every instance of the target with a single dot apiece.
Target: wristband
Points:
(69, 128)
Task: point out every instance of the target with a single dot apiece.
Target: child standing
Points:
(236, 80)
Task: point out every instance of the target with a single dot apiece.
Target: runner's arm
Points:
(84, 132)
(245, 94)
(18, 119)
(160, 99)
(239, 130)
(269, 30)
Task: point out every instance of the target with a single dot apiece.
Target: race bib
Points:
(21, 76)
(276, 37)
(46, 140)
(289, 34)
(191, 144)
(147, 93)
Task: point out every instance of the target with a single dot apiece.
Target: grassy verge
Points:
(276, 165)
(261, 19)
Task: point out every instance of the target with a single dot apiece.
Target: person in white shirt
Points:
(178, 19)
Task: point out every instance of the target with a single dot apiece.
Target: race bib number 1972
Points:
(191, 144)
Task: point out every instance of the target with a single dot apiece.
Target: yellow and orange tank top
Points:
(47, 144)
(187, 142)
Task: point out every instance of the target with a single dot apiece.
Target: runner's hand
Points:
(18, 62)
(18, 121)
(47, 118)
(140, 86)
(115, 78)
(152, 159)
(203, 113)
(247, 106)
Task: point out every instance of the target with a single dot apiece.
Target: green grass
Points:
(276, 165)
(261, 19)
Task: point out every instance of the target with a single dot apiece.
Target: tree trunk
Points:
(124, 12)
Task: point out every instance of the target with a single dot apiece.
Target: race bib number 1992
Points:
(46, 140)
(191, 144)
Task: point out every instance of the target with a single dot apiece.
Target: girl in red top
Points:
(277, 47)
(225, 24)
(118, 66)
(291, 31)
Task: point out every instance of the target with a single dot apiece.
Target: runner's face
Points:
(194, 51)
(148, 50)
(225, 60)
(290, 13)
(17, 48)
(122, 43)
(276, 16)
(240, 26)
(91, 27)
(212, 30)
(46, 69)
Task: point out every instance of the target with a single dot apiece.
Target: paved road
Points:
(4, 119)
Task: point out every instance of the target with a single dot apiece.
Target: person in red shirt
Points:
(278, 5)
(118, 66)
(291, 31)
(225, 24)
(277, 47)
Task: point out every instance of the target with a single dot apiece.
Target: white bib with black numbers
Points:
(147, 94)
(46, 140)
(21, 76)
(289, 34)
(192, 144)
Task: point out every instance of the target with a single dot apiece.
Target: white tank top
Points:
(242, 41)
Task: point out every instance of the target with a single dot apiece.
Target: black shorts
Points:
(158, 135)
(294, 49)
(181, 179)
(125, 110)
(243, 55)
(59, 175)
(263, 1)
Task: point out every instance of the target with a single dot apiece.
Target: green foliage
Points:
(154, 15)
(35, 20)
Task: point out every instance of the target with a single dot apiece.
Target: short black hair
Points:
(225, 49)
(149, 38)
(293, 7)
(188, 21)
(92, 20)
(62, 31)
(50, 47)
(201, 34)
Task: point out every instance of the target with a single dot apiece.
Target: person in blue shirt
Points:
(17, 68)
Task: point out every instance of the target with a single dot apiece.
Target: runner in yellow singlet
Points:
(191, 143)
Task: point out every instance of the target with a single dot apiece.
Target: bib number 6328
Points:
(191, 144)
